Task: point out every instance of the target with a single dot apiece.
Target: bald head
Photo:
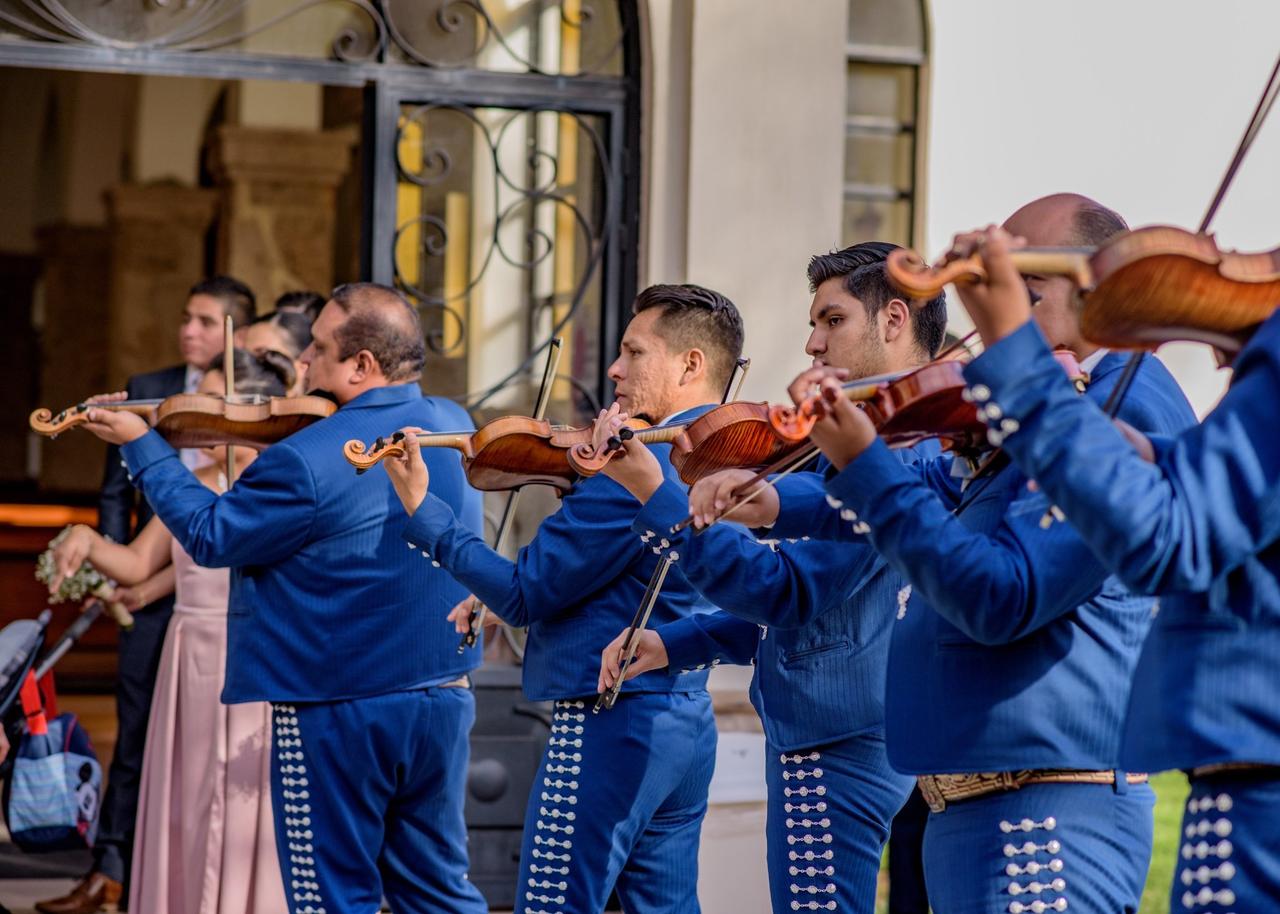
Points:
(380, 320)
(1065, 220)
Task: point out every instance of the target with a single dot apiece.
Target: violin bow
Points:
(229, 375)
(1265, 103)
(475, 622)
(640, 621)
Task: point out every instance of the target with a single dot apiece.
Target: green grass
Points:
(1171, 795)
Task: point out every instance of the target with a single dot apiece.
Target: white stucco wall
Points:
(758, 190)
(1138, 104)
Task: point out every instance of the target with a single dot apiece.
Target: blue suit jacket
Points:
(576, 585)
(1200, 527)
(814, 618)
(326, 601)
(1013, 647)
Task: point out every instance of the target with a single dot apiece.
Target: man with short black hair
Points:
(812, 618)
(199, 340)
(619, 799)
(333, 621)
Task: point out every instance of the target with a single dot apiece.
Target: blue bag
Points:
(52, 797)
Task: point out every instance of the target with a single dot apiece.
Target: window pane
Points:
(881, 91)
(876, 220)
(895, 23)
(882, 159)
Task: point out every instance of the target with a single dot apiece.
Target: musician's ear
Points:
(695, 365)
(895, 319)
(366, 367)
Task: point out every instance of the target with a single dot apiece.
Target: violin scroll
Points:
(912, 276)
(585, 461)
(382, 448)
(793, 424)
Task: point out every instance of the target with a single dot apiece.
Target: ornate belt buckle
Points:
(932, 794)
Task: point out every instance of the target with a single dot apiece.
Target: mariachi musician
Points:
(1013, 649)
(336, 624)
(619, 799)
(1194, 519)
(813, 617)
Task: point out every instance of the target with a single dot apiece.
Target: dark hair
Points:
(304, 302)
(1094, 224)
(382, 321)
(295, 326)
(237, 298)
(694, 317)
(269, 375)
(862, 268)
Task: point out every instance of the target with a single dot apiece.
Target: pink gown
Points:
(205, 837)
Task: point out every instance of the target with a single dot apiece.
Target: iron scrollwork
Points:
(427, 162)
(438, 33)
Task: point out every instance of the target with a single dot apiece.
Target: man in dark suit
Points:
(199, 339)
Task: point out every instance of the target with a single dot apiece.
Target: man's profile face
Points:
(841, 334)
(325, 371)
(646, 372)
(200, 335)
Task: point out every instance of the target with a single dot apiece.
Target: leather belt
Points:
(940, 789)
(1252, 769)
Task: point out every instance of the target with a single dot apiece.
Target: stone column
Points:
(278, 189)
(157, 252)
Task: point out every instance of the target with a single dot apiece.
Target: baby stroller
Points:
(52, 779)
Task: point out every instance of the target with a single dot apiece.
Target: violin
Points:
(203, 420)
(1142, 288)
(930, 402)
(503, 454)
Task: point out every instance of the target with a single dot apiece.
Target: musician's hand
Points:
(712, 495)
(114, 426)
(651, 654)
(635, 468)
(843, 431)
(71, 553)
(461, 615)
(807, 382)
(1000, 305)
(408, 471)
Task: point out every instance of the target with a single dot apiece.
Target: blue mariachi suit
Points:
(339, 626)
(814, 619)
(1201, 529)
(1013, 651)
(620, 797)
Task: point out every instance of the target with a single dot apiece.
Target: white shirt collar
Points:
(1089, 364)
(191, 380)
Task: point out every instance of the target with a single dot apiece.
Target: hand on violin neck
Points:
(714, 494)
(114, 426)
(843, 431)
(1000, 304)
(633, 465)
(408, 471)
(807, 382)
(651, 654)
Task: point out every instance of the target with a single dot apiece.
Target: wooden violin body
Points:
(735, 434)
(204, 420)
(930, 402)
(1142, 288)
(503, 454)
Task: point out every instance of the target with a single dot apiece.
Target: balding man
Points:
(1013, 649)
(339, 626)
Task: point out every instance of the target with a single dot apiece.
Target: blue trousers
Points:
(1082, 848)
(830, 808)
(367, 796)
(618, 803)
(1229, 859)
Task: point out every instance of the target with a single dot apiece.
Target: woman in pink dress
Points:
(204, 840)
